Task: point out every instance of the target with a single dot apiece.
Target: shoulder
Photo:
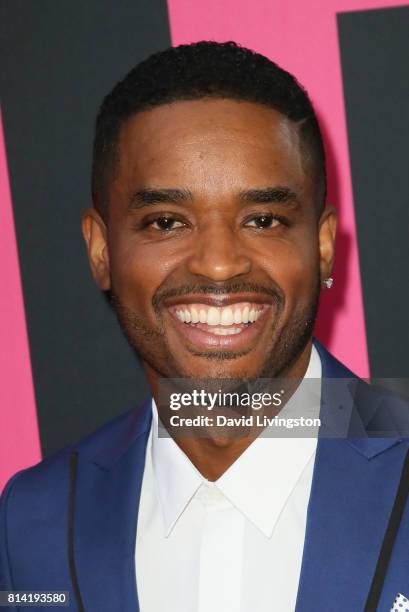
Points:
(33, 506)
(382, 408)
(51, 475)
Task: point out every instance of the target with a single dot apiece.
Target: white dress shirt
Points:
(234, 545)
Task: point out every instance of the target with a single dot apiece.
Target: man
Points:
(210, 233)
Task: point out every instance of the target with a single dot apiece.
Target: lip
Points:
(202, 340)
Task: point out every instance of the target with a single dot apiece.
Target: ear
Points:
(327, 233)
(95, 235)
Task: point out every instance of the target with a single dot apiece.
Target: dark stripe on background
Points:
(374, 50)
(58, 60)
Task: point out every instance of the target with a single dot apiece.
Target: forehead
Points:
(210, 143)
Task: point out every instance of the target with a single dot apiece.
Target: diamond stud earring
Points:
(328, 282)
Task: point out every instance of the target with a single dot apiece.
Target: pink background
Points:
(20, 444)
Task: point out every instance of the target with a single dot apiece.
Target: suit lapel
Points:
(105, 516)
(347, 517)
(348, 512)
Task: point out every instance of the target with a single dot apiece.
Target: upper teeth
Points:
(234, 314)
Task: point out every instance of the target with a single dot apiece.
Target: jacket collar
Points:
(354, 418)
(135, 424)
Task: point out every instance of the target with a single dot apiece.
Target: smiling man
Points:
(210, 233)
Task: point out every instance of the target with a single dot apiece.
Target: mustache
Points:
(227, 289)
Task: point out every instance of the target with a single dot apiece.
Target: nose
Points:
(218, 254)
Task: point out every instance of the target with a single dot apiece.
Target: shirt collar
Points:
(177, 479)
(258, 483)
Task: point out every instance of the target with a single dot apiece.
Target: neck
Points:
(211, 455)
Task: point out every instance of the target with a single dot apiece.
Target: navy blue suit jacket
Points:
(354, 489)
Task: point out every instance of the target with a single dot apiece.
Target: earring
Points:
(328, 282)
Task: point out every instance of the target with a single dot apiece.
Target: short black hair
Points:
(196, 71)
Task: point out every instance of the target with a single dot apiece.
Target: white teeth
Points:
(245, 315)
(213, 316)
(195, 315)
(227, 317)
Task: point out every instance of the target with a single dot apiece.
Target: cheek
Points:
(137, 269)
(294, 266)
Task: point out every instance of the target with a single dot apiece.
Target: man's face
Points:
(213, 250)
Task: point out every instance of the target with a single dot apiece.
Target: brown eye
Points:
(165, 224)
(263, 222)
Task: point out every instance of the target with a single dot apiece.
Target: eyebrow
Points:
(282, 195)
(149, 197)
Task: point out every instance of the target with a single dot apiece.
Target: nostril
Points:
(219, 266)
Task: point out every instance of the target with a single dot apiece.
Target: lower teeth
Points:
(224, 331)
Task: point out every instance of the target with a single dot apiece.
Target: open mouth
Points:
(231, 326)
(220, 321)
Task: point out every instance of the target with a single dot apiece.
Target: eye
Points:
(165, 224)
(263, 222)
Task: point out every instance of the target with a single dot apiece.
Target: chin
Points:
(220, 365)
